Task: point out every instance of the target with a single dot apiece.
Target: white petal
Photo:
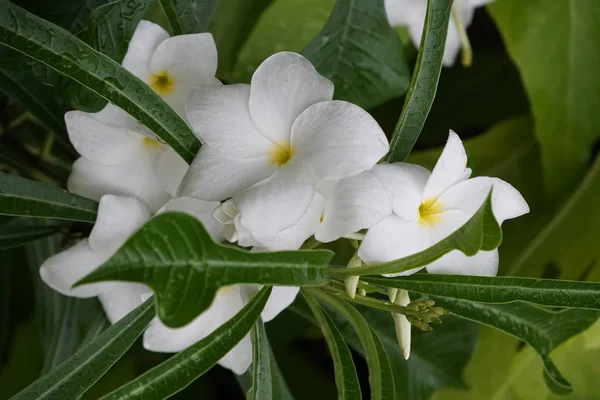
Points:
(227, 303)
(404, 184)
(135, 177)
(279, 202)
(446, 222)
(404, 12)
(201, 210)
(453, 41)
(469, 195)
(291, 238)
(98, 141)
(403, 327)
(479, 3)
(395, 238)
(63, 270)
(338, 139)
(122, 298)
(450, 169)
(119, 217)
(355, 203)
(484, 263)
(145, 40)
(281, 297)
(282, 87)
(170, 170)
(220, 117)
(214, 176)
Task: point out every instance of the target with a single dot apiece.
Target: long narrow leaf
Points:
(26, 198)
(346, 379)
(182, 369)
(60, 50)
(424, 81)
(16, 235)
(72, 378)
(189, 16)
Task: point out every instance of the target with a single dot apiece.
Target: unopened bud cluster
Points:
(423, 314)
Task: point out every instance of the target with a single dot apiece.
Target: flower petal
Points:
(404, 184)
(453, 40)
(405, 12)
(122, 298)
(281, 297)
(227, 302)
(403, 327)
(484, 263)
(199, 209)
(220, 117)
(119, 217)
(450, 169)
(64, 269)
(338, 139)
(98, 141)
(170, 170)
(469, 195)
(214, 176)
(395, 238)
(282, 87)
(279, 202)
(355, 203)
(291, 238)
(145, 40)
(94, 180)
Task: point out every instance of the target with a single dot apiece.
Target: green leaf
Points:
(381, 378)
(424, 80)
(540, 328)
(183, 368)
(267, 381)
(22, 197)
(69, 14)
(564, 98)
(346, 379)
(16, 235)
(70, 56)
(361, 54)
(72, 378)
(112, 25)
(480, 232)
(231, 26)
(545, 292)
(189, 16)
(38, 100)
(177, 258)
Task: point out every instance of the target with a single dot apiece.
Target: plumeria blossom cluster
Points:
(281, 161)
(411, 14)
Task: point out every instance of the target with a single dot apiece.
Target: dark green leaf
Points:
(541, 329)
(72, 378)
(480, 232)
(65, 339)
(231, 26)
(346, 379)
(546, 292)
(69, 14)
(22, 197)
(16, 235)
(381, 378)
(361, 54)
(183, 368)
(267, 381)
(189, 16)
(424, 80)
(112, 25)
(177, 258)
(5, 308)
(70, 56)
(567, 123)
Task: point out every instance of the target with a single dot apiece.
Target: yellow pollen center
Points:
(281, 154)
(151, 143)
(162, 83)
(429, 212)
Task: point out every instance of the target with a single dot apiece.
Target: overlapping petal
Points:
(338, 139)
(170, 170)
(145, 40)
(484, 263)
(282, 87)
(201, 210)
(120, 298)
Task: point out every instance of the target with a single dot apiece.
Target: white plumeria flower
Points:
(119, 155)
(269, 143)
(408, 209)
(411, 13)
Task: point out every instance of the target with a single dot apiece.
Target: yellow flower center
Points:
(429, 212)
(150, 143)
(162, 83)
(281, 154)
